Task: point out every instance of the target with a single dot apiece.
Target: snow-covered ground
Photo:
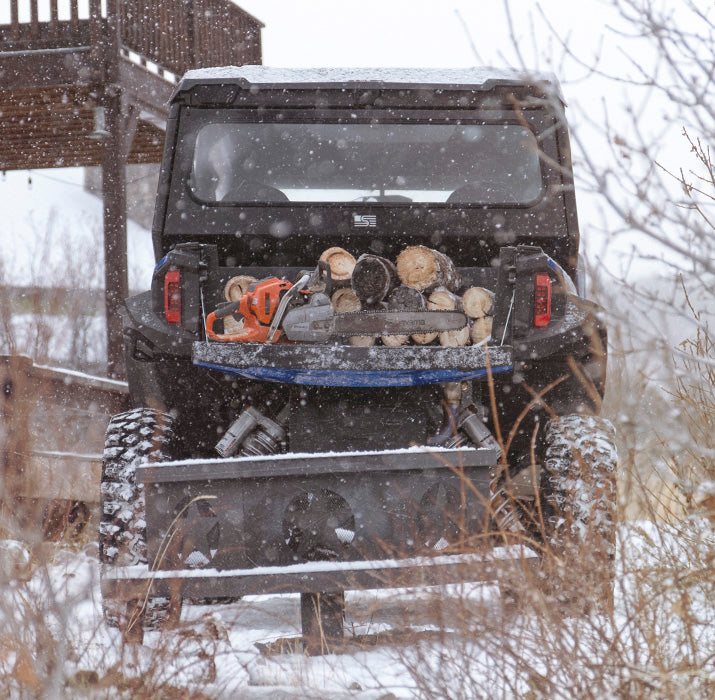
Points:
(457, 641)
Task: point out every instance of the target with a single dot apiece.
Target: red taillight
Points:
(542, 300)
(172, 297)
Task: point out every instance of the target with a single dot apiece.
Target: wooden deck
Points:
(55, 69)
(92, 90)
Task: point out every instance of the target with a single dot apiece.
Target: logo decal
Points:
(365, 220)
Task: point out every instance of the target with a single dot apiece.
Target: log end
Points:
(341, 263)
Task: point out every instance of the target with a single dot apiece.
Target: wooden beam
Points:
(45, 68)
(130, 119)
(114, 195)
(74, 16)
(54, 19)
(147, 89)
(96, 36)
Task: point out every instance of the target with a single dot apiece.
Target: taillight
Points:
(172, 297)
(542, 300)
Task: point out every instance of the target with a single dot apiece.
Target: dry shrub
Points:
(56, 320)
(541, 639)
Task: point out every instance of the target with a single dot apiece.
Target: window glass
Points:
(431, 163)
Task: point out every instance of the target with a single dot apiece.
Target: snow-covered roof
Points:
(477, 77)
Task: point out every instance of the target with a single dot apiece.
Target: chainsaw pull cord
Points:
(508, 316)
(203, 310)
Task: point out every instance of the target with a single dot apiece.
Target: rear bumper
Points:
(344, 365)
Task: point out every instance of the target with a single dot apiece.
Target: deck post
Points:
(114, 195)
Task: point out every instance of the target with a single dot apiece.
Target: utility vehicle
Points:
(253, 462)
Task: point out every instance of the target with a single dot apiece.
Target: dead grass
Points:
(538, 636)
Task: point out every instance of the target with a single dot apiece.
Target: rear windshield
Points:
(245, 163)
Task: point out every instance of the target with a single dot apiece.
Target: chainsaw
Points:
(316, 322)
(261, 309)
(273, 307)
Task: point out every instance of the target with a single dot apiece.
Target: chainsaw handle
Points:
(252, 331)
(324, 271)
(227, 309)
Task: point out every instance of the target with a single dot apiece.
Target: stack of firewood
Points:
(420, 279)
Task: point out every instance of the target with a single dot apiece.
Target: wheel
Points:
(132, 438)
(578, 494)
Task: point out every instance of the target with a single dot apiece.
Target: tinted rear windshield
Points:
(244, 163)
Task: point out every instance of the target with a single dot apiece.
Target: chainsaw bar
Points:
(317, 323)
(396, 322)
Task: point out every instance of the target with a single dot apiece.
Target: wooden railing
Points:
(37, 25)
(183, 34)
(175, 34)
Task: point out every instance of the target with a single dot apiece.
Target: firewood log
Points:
(443, 299)
(424, 338)
(345, 301)
(234, 289)
(440, 300)
(373, 279)
(362, 340)
(425, 269)
(456, 338)
(481, 329)
(394, 341)
(403, 298)
(341, 264)
(237, 286)
(477, 302)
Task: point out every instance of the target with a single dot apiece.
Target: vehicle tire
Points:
(578, 494)
(133, 438)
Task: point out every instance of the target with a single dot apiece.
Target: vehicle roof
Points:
(477, 78)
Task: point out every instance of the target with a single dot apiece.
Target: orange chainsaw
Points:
(262, 307)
